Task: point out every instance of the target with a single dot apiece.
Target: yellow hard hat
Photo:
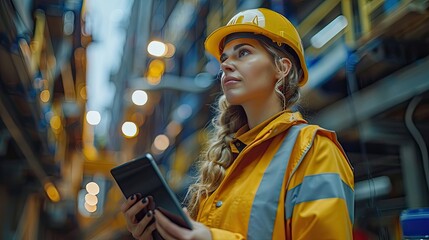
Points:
(260, 21)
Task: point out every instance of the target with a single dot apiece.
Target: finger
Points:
(128, 203)
(147, 234)
(186, 212)
(136, 208)
(168, 228)
(129, 218)
(143, 226)
(165, 235)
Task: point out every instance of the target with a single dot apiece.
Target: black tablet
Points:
(143, 176)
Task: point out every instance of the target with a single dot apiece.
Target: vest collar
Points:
(265, 130)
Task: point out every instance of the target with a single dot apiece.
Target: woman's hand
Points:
(139, 229)
(169, 230)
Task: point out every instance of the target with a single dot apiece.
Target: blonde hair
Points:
(228, 119)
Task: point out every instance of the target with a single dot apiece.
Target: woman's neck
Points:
(257, 112)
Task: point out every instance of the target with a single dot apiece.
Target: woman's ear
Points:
(284, 67)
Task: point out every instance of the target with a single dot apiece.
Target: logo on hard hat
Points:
(254, 17)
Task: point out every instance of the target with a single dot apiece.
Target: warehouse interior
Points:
(71, 72)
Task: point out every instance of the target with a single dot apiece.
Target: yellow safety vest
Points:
(289, 181)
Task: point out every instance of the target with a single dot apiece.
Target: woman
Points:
(266, 174)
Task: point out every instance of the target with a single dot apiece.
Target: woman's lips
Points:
(230, 80)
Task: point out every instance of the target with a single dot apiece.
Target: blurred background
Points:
(86, 85)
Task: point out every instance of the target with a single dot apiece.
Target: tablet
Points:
(142, 175)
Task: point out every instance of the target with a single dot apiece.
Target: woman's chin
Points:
(233, 100)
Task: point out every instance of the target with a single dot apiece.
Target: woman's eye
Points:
(243, 52)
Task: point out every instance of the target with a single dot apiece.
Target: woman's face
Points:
(249, 74)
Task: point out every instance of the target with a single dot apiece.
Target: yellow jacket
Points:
(314, 199)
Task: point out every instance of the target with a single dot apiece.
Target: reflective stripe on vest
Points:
(320, 186)
(265, 203)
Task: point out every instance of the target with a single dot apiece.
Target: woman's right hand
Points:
(139, 229)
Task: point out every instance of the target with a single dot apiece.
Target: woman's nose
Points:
(227, 65)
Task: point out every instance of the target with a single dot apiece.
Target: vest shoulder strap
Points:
(265, 203)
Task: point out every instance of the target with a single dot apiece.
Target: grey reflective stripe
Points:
(320, 186)
(265, 203)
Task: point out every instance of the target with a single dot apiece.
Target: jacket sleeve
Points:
(323, 195)
(219, 234)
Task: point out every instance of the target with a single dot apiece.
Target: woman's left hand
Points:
(170, 230)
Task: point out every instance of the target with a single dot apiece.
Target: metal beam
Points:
(316, 16)
(377, 98)
(18, 134)
(416, 193)
(415, 189)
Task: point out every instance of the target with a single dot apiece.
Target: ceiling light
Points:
(329, 32)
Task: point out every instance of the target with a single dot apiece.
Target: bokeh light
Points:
(156, 48)
(129, 129)
(139, 97)
(161, 142)
(93, 117)
(92, 188)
